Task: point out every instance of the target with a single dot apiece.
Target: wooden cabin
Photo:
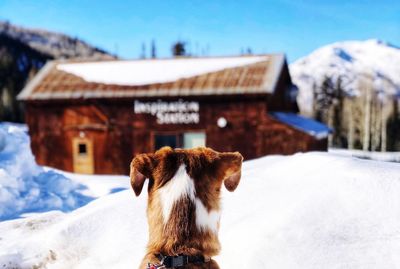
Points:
(93, 117)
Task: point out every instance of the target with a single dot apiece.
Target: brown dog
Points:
(184, 203)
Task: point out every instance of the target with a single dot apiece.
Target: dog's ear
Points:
(230, 165)
(141, 168)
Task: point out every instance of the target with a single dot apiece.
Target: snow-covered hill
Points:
(56, 45)
(314, 210)
(348, 60)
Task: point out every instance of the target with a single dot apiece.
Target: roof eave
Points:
(275, 70)
(26, 92)
(141, 93)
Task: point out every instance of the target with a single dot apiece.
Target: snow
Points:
(374, 155)
(349, 60)
(309, 210)
(142, 72)
(313, 210)
(26, 187)
(304, 124)
(96, 185)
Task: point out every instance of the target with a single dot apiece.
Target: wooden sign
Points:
(175, 112)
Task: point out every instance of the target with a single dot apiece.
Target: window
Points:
(193, 140)
(82, 150)
(180, 140)
(162, 140)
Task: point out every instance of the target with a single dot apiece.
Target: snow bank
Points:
(314, 210)
(25, 186)
(369, 155)
(96, 185)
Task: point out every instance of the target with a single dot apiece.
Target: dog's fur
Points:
(184, 200)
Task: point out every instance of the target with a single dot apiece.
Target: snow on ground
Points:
(314, 210)
(96, 185)
(26, 187)
(369, 155)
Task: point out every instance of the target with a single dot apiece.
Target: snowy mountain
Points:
(313, 210)
(351, 61)
(53, 44)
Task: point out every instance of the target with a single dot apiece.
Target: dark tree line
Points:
(178, 49)
(18, 63)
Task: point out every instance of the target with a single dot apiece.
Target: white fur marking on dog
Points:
(206, 220)
(179, 185)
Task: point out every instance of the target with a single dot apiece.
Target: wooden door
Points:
(82, 150)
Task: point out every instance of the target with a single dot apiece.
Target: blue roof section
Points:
(307, 125)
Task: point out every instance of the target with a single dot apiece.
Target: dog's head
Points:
(186, 184)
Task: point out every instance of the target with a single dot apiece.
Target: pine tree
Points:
(179, 49)
(323, 100)
(339, 138)
(153, 49)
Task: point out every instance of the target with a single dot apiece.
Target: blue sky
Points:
(213, 27)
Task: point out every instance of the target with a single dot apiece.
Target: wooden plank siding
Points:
(118, 134)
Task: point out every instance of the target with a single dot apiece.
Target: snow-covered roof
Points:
(156, 77)
(307, 125)
(144, 72)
